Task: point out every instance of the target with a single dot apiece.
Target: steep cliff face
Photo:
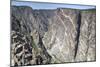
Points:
(87, 41)
(60, 40)
(52, 36)
(32, 25)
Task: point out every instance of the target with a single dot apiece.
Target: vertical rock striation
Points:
(86, 50)
(52, 36)
(60, 40)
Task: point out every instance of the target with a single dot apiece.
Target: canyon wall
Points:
(49, 36)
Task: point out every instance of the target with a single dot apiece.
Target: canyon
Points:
(50, 36)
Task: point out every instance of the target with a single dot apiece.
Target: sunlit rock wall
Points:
(52, 36)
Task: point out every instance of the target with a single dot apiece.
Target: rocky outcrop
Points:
(52, 36)
(87, 41)
(60, 40)
(32, 27)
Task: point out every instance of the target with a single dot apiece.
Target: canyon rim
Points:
(52, 36)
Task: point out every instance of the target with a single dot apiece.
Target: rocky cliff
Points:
(52, 35)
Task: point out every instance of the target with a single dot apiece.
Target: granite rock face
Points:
(87, 41)
(52, 36)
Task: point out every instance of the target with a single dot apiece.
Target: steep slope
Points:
(87, 41)
(60, 40)
(26, 23)
(52, 36)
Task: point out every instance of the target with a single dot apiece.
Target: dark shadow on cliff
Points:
(44, 50)
(78, 34)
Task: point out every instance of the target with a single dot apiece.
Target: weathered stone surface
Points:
(52, 36)
(60, 40)
(87, 43)
(27, 24)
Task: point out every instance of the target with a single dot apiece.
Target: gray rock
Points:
(52, 36)
(86, 46)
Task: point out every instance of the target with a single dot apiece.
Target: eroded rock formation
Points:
(52, 36)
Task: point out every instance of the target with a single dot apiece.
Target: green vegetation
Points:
(33, 44)
(89, 10)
